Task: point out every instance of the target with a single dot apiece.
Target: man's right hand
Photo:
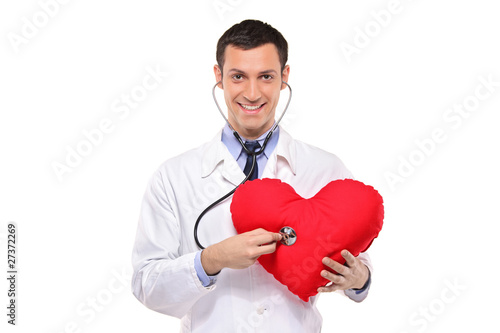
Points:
(239, 251)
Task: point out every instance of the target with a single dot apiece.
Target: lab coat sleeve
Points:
(163, 280)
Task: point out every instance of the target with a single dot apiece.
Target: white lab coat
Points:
(247, 300)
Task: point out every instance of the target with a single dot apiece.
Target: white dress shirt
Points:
(246, 300)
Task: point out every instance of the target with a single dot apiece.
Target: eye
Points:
(267, 77)
(237, 77)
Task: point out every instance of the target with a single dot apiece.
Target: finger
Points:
(336, 266)
(328, 289)
(275, 236)
(266, 249)
(258, 231)
(266, 238)
(335, 278)
(350, 259)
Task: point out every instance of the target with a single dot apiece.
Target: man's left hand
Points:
(354, 275)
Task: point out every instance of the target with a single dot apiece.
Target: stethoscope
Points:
(288, 234)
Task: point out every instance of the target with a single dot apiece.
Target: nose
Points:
(252, 91)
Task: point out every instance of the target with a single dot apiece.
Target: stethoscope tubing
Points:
(253, 154)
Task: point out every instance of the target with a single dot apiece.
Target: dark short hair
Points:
(250, 34)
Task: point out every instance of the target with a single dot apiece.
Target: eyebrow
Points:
(267, 71)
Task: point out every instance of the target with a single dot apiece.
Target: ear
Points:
(218, 76)
(284, 76)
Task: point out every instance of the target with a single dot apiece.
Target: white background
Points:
(75, 235)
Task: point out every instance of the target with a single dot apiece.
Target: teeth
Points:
(250, 107)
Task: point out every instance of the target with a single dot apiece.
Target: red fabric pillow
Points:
(345, 214)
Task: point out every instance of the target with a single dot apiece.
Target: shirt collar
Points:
(215, 151)
(234, 146)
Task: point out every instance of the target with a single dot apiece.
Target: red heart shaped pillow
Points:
(345, 214)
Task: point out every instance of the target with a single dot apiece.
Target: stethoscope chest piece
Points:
(288, 236)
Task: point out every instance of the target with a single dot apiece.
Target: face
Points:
(251, 80)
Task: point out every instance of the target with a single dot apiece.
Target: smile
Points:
(251, 107)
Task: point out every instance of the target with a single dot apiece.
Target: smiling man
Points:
(223, 288)
(251, 82)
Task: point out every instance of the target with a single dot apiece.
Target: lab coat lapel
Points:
(285, 152)
(231, 170)
(216, 158)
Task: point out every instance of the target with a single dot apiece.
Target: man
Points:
(223, 288)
